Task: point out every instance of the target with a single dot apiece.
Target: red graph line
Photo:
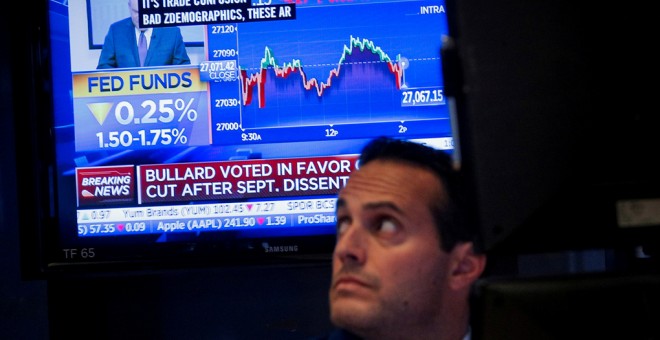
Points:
(248, 82)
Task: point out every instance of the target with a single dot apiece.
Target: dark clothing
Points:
(120, 47)
(338, 334)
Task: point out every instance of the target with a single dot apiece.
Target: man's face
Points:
(388, 268)
(133, 7)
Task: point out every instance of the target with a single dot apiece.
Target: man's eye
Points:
(342, 225)
(387, 226)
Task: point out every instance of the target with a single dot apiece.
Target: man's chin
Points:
(351, 313)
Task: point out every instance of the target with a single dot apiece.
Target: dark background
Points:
(558, 113)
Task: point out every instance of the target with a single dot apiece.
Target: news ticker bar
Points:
(206, 217)
(213, 181)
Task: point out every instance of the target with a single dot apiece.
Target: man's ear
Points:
(466, 266)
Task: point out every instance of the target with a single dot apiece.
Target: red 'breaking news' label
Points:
(104, 185)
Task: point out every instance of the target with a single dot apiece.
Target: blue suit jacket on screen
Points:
(120, 47)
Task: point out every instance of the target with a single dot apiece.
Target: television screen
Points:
(231, 141)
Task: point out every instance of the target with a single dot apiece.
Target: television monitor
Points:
(556, 129)
(235, 158)
(594, 305)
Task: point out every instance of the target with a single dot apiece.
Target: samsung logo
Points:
(280, 249)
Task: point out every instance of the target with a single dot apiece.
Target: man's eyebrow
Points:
(372, 205)
(383, 204)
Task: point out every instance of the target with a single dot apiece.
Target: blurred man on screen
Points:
(161, 46)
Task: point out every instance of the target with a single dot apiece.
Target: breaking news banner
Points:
(103, 185)
(222, 180)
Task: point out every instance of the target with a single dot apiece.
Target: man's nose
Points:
(352, 244)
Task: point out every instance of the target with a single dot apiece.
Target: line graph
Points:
(248, 81)
(358, 66)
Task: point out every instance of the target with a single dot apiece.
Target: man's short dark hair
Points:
(449, 214)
